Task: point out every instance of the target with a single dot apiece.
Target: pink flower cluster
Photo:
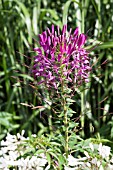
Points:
(61, 56)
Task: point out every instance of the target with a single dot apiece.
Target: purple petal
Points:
(76, 32)
(87, 80)
(69, 79)
(49, 31)
(53, 29)
(54, 84)
(44, 36)
(38, 50)
(41, 37)
(40, 82)
(56, 49)
(69, 49)
(59, 57)
(81, 40)
(55, 68)
(49, 41)
(35, 65)
(64, 29)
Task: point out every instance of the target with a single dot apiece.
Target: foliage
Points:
(21, 22)
(44, 153)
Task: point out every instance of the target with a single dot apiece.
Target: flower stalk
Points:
(65, 119)
(50, 124)
(66, 128)
(61, 61)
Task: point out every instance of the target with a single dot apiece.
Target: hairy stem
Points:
(65, 120)
(66, 131)
(50, 124)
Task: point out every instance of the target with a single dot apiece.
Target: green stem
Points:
(50, 124)
(82, 111)
(65, 120)
(83, 93)
(50, 119)
(66, 131)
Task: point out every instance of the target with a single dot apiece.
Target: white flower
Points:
(94, 161)
(13, 148)
(101, 167)
(47, 168)
(98, 163)
(91, 146)
(74, 161)
(88, 164)
(13, 155)
(67, 168)
(3, 163)
(86, 153)
(111, 160)
(71, 160)
(11, 138)
(104, 151)
(109, 167)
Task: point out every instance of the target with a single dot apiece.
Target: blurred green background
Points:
(20, 23)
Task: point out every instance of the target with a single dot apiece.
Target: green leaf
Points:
(48, 158)
(73, 124)
(55, 143)
(65, 10)
(61, 115)
(5, 114)
(61, 159)
(96, 9)
(4, 122)
(70, 112)
(54, 155)
(27, 18)
(105, 45)
(39, 151)
(70, 100)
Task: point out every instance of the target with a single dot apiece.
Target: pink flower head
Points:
(61, 56)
